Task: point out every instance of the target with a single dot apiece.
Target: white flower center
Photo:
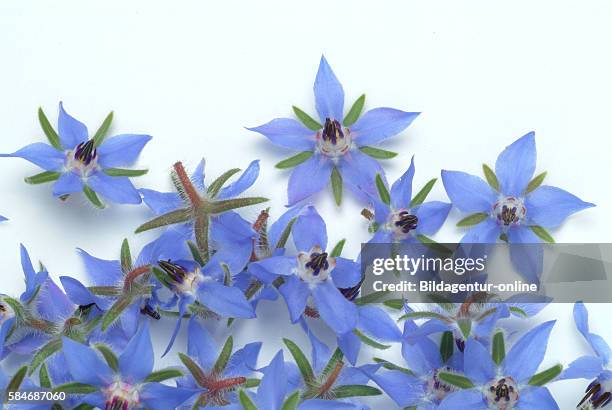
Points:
(314, 266)
(121, 396)
(509, 211)
(501, 394)
(333, 141)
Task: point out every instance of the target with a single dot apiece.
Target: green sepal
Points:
(170, 218)
(93, 197)
(17, 379)
(75, 388)
(292, 401)
(377, 152)
(284, 237)
(224, 356)
(52, 347)
(456, 380)
(391, 366)
(498, 348)
(473, 219)
(336, 183)
(195, 253)
(301, 361)
(423, 315)
(120, 172)
(229, 204)
(109, 356)
(447, 345)
(518, 310)
(50, 133)
(337, 251)
(419, 198)
(217, 184)
(115, 310)
(43, 177)
(246, 402)
(193, 368)
(43, 377)
(490, 177)
(251, 382)
(163, 375)
(369, 341)
(306, 119)
(383, 193)
(99, 136)
(355, 390)
(535, 182)
(465, 325)
(126, 257)
(545, 376)
(294, 160)
(353, 115)
(335, 358)
(542, 233)
(374, 297)
(396, 304)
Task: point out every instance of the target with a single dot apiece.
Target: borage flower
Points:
(123, 382)
(338, 148)
(80, 163)
(313, 273)
(494, 380)
(215, 374)
(400, 217)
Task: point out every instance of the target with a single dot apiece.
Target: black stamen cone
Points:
(318, 262)
(332, 131)
(176, 272)
(407, 222)
(85, 152)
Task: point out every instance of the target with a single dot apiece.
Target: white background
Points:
(193, 74)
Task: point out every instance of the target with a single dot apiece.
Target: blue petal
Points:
(308, 178)
(287, 133)
(277, 228)
(268, 269)
(477, 361)
(121, 150)
(201, 345)
(431, 216)
(321, 404)
(79, 294)
(53, 304)
(537, 398)
(43, 155)
(423, 356)
(4, 329)
(320, 354)
(350, 345)
(379, 124)
(516, 164)
(376, 322)
(28, 269)
(598, 344)
(161, 202)
(244, 361)
(157, 396)
(468, 192)
(329, 95)
(463, 399)
(102, 272)
(485, 232)
(183, 303)
(381, 210)
(335, 310)
(244, 182)
(198, 175)
(71, 131)
(359, 172)
(585, 367)
(405, 390)
(296, 295)
(232, 238)
(401, 190)
(225, 300)
(526, 253)
(309, 231)
(548, 206)
(346, 274)
(68, 183)
(273, 386)
(525, 357)
(85, 365)
(136, 361)
(116, 189)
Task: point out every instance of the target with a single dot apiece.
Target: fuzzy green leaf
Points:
(535, 182)
(50, 133)
(126, 257)
(370, 342)
(44, 353)
(120, 172)
(473, 219)
(93, 197)
(224, 356)
(337, 251)
(17, 379)
(423, 315)
(171, 218)
(307, 120)
(101, 133)
(419, 198)
(456, 380)
(109, 356)
(374, 297)
(545, 376)
(378, 153)
(294, 160)
(336, 183)
(542, 233)
(163, 375)
(447, 345)
(75, 388)
(292, 401)
(115, 310)
(353, 115)
(498, 348)
(43, 177)
(246, 402)
(229, 204)
(217, 184)
(390, 366)
(192, 366)
(490, 177)
(382, 190)
(355, 390)
(336, 357)
(518, 310)
(301, 361)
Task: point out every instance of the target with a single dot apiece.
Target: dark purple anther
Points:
(86, 152)
(318, 262)
(332, 131)
(176, 272)
(407, 222)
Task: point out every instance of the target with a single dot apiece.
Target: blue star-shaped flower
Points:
(78, 162)
(338, 147)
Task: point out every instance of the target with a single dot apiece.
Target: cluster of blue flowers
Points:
(91, 340)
